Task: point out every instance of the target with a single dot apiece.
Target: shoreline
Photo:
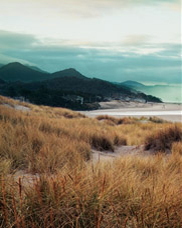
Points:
(167, 111)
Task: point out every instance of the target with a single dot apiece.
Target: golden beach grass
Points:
(64, 189)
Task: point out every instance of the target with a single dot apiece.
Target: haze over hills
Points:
(132, 84)
(13, 72)
(67, 88)
(168, 93)
(36, 68)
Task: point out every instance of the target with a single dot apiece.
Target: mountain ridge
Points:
(16, 71)
(65, 88)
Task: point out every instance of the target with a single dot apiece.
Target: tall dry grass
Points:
(47, 143)
(62, 189)
(127, 193)
(163, 139)
(176, 148)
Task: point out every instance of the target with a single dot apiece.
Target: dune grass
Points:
(176, 148)
(46, 143)
(128, 120)
(164, 138)
(128, 193)
(64, 188)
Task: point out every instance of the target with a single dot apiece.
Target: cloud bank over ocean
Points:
(114, 40)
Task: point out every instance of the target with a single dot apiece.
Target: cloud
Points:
(136, 40)
(172, 51)
(4, 59)
(118, 62)
(97, 8)
(81, 8)
(11, 40)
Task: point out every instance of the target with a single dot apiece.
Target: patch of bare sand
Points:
(18, 107)
(98, 156)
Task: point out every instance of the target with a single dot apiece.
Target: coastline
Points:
(167, 111)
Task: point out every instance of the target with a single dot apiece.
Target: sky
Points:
(114, 40)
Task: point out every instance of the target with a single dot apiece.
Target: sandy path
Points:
(30, 180)
(98, 156)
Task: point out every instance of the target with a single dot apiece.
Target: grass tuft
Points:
(102, 143)
(177, 148)
(116, 121)
(162, 140)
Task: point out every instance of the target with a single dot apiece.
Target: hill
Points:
(25, 73)
(2, 81)
(132, 84)
(78, 93)
(71, 72)
(86, 85)
(67, 88)
(18, 72)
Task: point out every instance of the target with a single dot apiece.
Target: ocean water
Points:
(172, 94)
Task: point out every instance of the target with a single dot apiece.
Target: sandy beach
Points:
(166, 111)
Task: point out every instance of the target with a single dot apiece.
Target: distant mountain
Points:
(168, 93)
(71, 72)
(68, 91)
(66, 88)
(132, 84)
(31, 67)
(18, 72)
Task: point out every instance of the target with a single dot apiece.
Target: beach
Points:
(167, 111)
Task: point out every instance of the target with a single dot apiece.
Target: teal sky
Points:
(114, 40)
